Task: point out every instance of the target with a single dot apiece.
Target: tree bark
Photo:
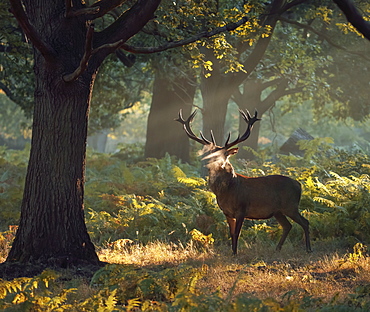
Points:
(52, 227)
(52, 222)
(164, 135)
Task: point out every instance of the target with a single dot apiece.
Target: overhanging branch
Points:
(68, 6)
(104, 6)
(47, 51)
(98, 9)
(292, 4)
(354, 16)
(324, 37)
(127, 24)
(6, 90)
(84, 11)
(179, 43)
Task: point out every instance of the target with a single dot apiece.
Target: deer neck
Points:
(220, 176)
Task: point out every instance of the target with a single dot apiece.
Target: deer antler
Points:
(246, 116)
(190, 133)
(250, 120)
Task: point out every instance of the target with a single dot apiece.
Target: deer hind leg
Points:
(283, 221)
(303, 222)
(235, 226)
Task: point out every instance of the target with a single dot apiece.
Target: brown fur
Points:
(241, 197)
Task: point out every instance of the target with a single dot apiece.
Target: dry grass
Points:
(257, 270)
(261, 272)
(153, 254)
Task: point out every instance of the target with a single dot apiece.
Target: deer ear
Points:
(232, 151)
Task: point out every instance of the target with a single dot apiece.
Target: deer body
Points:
(241, 197)
(247, 196)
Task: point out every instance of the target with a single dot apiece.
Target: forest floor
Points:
(329, 273)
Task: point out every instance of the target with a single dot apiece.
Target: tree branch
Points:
(274, 95)
(261, 46)
(47, 51)
(291, 4)
(8, 92)
(68, 6)
(272, 82)
(237, 96)
(324, 37)
(179, 43)
(104, 6)
(127, 25)
(85, 58)
(354, 16)
(293, 91)
(85, 11)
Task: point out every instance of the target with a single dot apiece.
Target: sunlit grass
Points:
(154, 253)
(330, 271)
(257, 270)
(327, 276)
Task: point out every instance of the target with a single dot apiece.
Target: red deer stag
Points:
(241, 197)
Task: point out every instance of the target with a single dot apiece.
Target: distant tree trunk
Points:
(164, 135)
(216, 92)
(218, 88)
(251, 99)
(215, 102)
(98, 141)
(52, 226)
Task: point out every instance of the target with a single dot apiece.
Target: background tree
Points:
(175, 70)
(170, 94)
(16, 75)
(121, 83)
(15, 128)
(308, 66)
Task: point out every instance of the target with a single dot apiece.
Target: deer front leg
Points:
(235, 225)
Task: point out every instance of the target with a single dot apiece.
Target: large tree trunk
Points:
(164, 135)
(52, 225)
(67, 56)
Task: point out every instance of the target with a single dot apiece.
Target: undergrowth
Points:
(336, 283)
(167, 242)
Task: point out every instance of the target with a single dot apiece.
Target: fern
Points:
(34, 293)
